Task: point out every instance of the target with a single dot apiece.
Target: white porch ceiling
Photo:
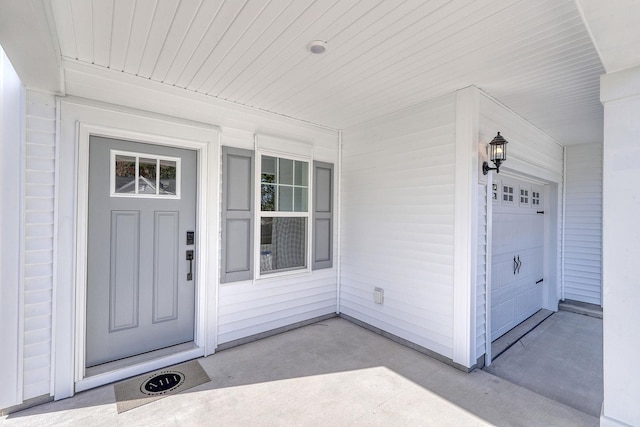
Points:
(535, 56)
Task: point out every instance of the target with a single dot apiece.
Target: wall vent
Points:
(378, 295)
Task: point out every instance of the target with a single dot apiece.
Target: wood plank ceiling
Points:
(535, 56)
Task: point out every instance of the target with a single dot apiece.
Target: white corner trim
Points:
(465, 222)
(338, 220)
(12, 211)
(487, 275)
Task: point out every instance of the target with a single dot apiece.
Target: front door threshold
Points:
(125, 368)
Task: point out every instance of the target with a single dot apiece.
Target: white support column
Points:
(465, 226)
(11, 214)
(620, 93)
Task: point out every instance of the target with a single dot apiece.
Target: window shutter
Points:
(322, 253)
(237, 214)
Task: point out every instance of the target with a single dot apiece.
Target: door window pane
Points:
(168, 174)
(125, 174)
(147, 176)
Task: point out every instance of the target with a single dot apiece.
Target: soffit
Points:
(614, 29)
(536, 57)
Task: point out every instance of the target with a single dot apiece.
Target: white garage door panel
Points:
(517, 258)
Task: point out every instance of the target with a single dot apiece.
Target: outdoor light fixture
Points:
(497, 154)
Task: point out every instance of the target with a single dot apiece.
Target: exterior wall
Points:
(248, 308)
(583, 224)
(530, 154)
(242, 308)
(620, 93)
(40, 178)
(397, 223)
(481, 280)
(11, 222)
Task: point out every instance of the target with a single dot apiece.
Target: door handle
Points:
(516, 265)
(190, 259)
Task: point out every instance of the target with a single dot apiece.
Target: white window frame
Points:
(527, 196)
(515, 194)
(137, 155)
(496, 191)
(257, 273)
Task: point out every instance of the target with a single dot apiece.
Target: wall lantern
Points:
(497, 154)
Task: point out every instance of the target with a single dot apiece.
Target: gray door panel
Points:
(138, 295)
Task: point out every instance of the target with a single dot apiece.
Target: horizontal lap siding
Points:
(247, 308)
(583, 224)
(527, 144)
(397, 224)
(38, 252)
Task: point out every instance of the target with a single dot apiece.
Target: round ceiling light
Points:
(317, 47)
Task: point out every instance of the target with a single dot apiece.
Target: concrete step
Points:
(579, 307)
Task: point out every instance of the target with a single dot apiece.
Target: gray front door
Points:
(142, 203)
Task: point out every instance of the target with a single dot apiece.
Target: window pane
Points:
(285, 199)
(268, 198)
(168, 172)
(300, 199)
(285, 174)
(125, 174)
(283, 243)
(147, 176)
(268, 165)
(301, 173)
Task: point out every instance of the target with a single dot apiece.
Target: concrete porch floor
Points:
(328, 373)
(560, 359)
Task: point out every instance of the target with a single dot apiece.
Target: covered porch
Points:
(333, 372)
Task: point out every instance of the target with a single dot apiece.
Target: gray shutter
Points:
(322, 254)
(237, 214)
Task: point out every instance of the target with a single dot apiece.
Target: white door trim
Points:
(204, 334)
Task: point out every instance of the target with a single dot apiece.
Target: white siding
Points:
(530, 152)
(38, 247)
(583, 224)
(241, 309)
(247, 308)
(481, 281)
(398, 223)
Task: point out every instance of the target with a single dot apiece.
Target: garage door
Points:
(517, 254)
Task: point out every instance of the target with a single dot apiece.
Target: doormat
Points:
(149, 387)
